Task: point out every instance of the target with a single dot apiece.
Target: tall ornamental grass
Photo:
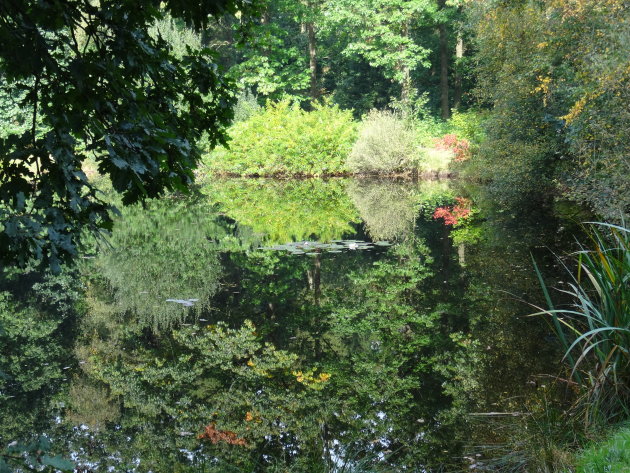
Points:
(386, 144)
(595, 328)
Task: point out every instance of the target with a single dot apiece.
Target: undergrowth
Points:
(610, 456)
(285, 140)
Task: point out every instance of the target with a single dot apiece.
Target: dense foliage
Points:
(279, 212)
(196, 338)
(363, 53)
(385, 144)
(286, 140)
(556, 74)
(96, 82)
(613, 454)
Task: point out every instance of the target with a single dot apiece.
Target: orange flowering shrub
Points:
(216, 436)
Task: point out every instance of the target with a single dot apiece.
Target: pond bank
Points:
(404, 175)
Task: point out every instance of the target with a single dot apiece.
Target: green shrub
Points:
(285, 140)
(385, 144)
(612, 456)
(430, 128)
(468, 125)
(515, 171)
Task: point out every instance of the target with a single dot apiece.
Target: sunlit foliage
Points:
(286, 140)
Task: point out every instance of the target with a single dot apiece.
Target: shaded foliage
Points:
(556, 75)
(97, 83)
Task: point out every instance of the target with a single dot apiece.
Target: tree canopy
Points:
(94, 81)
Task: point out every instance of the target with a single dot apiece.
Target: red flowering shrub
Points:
(453, 214)
(460, 147)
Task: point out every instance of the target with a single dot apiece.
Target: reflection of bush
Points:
(91, 405)
(389, 208)
(161, 253)
(285, 211)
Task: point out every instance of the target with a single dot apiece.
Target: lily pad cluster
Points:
(335, 246)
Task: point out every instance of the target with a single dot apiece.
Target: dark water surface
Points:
(303, 326)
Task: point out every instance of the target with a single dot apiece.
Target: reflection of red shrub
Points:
(217, 436)
(453, 214)
(460, 147)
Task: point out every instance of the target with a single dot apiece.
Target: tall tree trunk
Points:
(406, 84)
(265, 20)
(446, 111)
(314, 277)
(459, 54)
(312, 55)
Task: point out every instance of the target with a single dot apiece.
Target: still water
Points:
(286, 326)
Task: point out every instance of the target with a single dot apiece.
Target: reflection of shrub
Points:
(389, 209)
(452, 215)
(287, 210)
(385, 144)
(283, 139)
(91, 405)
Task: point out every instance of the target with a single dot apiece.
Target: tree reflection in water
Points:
(283, 360)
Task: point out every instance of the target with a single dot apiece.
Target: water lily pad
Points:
(316, 247)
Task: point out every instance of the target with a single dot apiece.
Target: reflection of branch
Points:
(18, 459)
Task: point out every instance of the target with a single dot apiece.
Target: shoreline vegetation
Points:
(529, 99)
(284, 141)
(404, 175)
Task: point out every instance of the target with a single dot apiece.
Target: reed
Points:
(595, 327)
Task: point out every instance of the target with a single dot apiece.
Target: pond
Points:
(307, 326)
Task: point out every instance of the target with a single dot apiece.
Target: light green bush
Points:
(286, 140)
(612, 456)
(468, 125)
(385, 144)
(430, 128)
